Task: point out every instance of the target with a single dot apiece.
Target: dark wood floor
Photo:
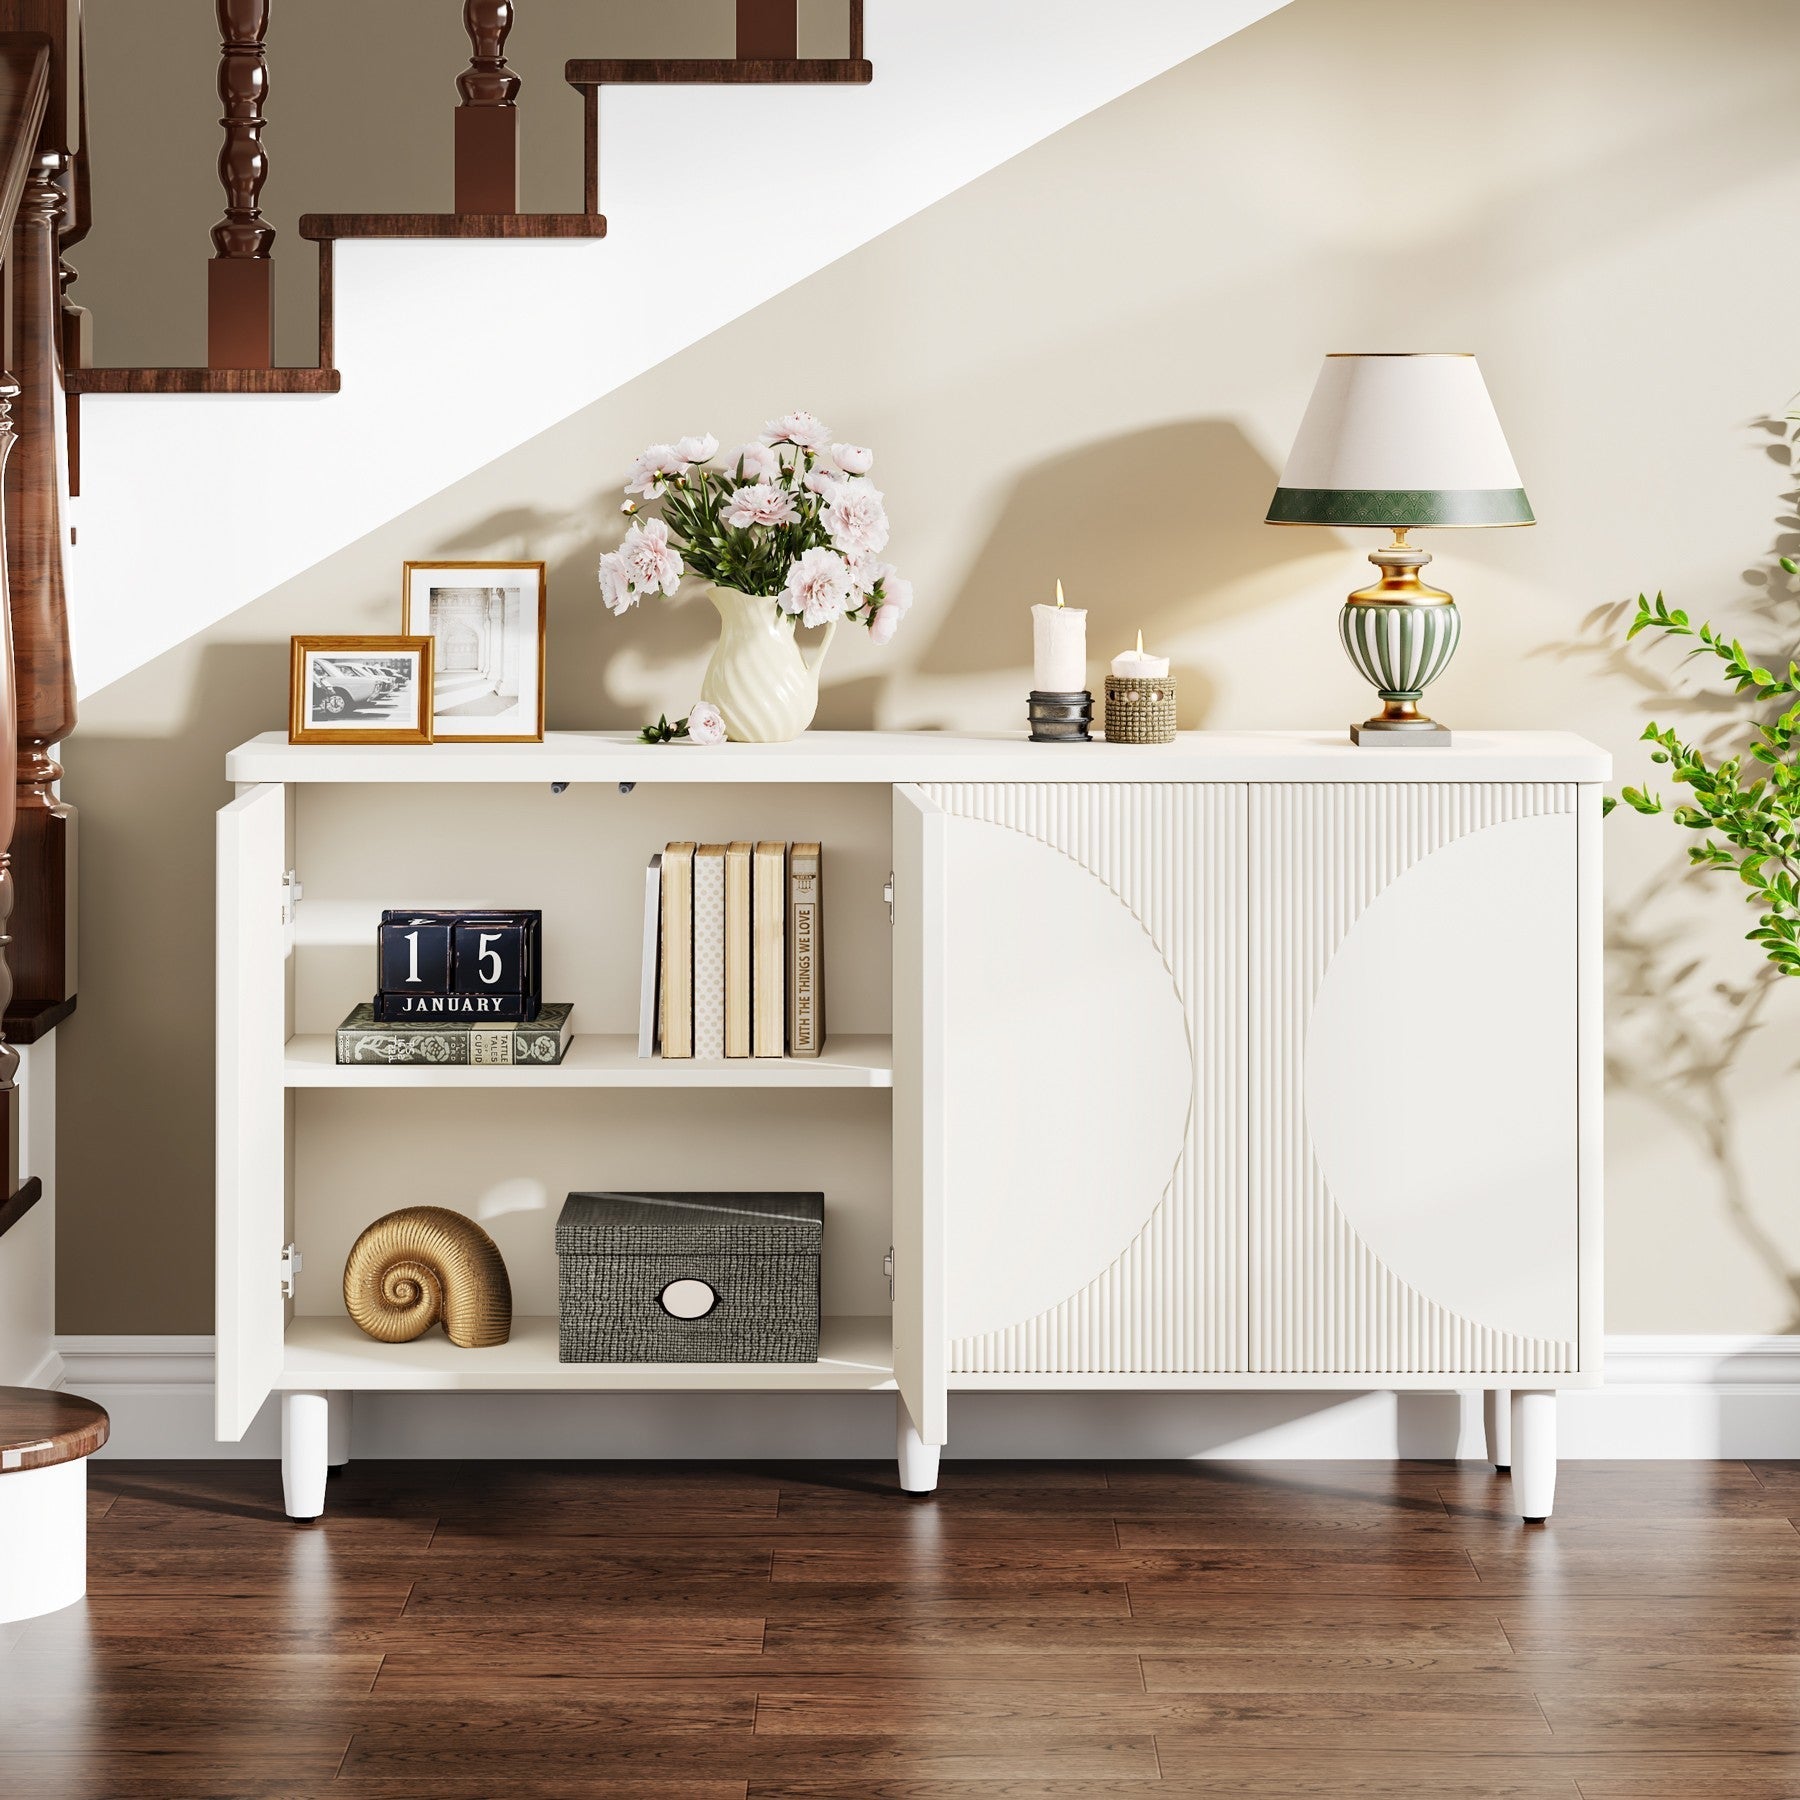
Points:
(699, 1632)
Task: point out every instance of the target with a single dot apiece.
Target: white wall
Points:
(28, 1252)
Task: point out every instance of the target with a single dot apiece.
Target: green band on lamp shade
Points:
(1397, 509)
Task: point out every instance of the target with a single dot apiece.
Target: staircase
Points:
(451, 338)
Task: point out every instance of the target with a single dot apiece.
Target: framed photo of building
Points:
(360, 690)
(486, 625)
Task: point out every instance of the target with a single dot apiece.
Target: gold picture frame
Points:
(489, 653)
(349, 690)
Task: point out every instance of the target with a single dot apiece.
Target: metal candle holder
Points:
(1060, 718)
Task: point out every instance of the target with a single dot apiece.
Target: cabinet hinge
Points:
(887, 893)
(290, 895)
(887, 1268)
(290, 1269)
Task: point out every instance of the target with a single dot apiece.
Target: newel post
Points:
(240, 279)
(43, 687)
(487, 120)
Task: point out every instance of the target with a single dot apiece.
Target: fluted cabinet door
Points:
(1093, 1077)
(1413, 1091)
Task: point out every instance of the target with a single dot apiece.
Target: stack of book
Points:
(733, 952)
(461, 985)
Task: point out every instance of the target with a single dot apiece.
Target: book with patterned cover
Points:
(709, 951)
(362, 1038)
(737, 949)
(806, 950)
(768, 975)
(678, 950)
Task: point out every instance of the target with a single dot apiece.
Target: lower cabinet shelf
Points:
(331, 1354)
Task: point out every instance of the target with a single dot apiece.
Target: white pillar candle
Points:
(1059, 647)
(1130, 664)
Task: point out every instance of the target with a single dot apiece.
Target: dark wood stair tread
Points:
(452, 225)
(716, 71)
(204, 381)
(40, 1427)
(27, 1023)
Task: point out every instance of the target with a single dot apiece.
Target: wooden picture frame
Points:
(352, 690)
(489, 640)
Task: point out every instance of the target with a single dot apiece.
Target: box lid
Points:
(647, 1224)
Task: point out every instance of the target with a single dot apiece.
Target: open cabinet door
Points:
(249, 1311)
(920, 909)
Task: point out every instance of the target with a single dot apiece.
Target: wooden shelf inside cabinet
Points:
(603, 1062)
(205, 381)
(855, 1354)
(319, 226)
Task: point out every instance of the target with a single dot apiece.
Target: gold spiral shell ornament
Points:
(426, 1265)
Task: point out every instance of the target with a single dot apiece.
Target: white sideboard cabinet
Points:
(1252, 1061)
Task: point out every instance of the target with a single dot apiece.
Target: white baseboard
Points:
(1665, 1397)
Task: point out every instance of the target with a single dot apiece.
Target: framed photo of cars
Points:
(486, 621)
(360, 690)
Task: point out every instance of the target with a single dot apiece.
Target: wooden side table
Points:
(45, 1441)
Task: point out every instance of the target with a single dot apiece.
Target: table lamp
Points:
(1400, 441)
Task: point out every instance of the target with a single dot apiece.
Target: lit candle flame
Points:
(1140, 649)
(1059, 598)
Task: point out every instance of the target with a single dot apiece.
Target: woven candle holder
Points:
(1140, 709)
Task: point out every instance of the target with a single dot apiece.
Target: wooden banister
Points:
(240, 279)
(43, 843)
(487, 119)
(25, 71)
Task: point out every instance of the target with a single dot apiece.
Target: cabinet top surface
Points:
(886, 757)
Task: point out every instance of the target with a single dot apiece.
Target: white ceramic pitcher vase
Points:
(765, 686)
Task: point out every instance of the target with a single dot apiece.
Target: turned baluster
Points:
(43, 840)
(768, 30)
(9, 1057)
(487, 120)
(240, 279)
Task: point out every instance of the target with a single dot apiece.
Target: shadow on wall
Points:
(1680, 1023)
(1169, 569)
(147, 804)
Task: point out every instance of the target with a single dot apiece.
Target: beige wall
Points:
(1089, 364)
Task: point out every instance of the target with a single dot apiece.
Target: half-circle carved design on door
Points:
(1440, 1078)
(1070, 1073)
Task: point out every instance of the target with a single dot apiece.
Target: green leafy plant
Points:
(1746, 804)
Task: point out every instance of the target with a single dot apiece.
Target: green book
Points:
(362, 1038)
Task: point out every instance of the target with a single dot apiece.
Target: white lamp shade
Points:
(1400, 441)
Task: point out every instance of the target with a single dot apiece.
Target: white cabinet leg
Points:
(305, 1440)
(1534, 1454)
(1497, 1409)
(337, 1452)
(918, 1459)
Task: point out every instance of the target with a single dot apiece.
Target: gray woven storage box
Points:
(689, 1277)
